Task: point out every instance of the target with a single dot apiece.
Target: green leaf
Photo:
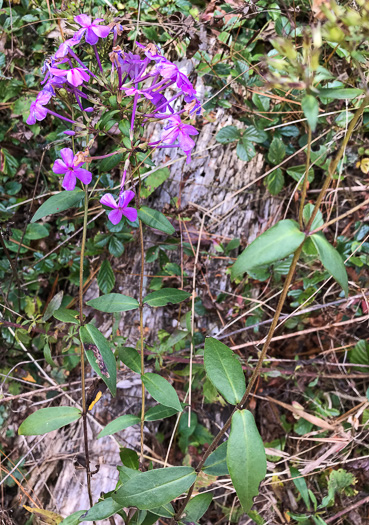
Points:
(359, 355)
(73, 519)
(331, 260)
(276, 243)
(224, 370)
(53, 305)
(154, 488)
(340, 93)
(131, 358)
(310, 107)
(119, 424)
(36, 231)
(155, 219)
(89, 334)
(48, 357)
(116, 247)
(165, 511)
(102, 510)
(306, 214)
(113, 302)
(159, 412)
(300, 484)
(109, 163)
(228, 134)
(161, 390)
(298, 173)
(245, 150)
(66, 316)
(57, 203)
(246, 458)
(129, 458)
(105, 278)
(277, 151)
(196, 507)
(275, 181)
(153, 181)
(216, 463)
(125, 127)
(48, 419)
(253, 134)
(166, 296)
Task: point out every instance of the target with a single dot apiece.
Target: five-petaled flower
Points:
(37, 111)
(75, 76)
(70, 168)
(176, 129)
(92, 29)
(120, 208)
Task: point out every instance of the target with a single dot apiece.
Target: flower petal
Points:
(101, 31)
(115, 216)
(169, 136)
(83, 175)
(125, 198)
(59, 167)
(131, 214)
(108, 200)
(185, 141)
(91, 38)
(83, 20)
(59, 72)
(68, 156)
(69, 181)
(74, 77)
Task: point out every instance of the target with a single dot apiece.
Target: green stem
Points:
(83, 378)
(142, 342)
(306, 178)
(333, 165)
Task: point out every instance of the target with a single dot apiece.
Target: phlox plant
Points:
(144, 87)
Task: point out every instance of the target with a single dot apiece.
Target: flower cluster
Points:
(144, 78)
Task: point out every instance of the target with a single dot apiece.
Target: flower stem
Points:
(141, 327)
(83, 378)
(306, 178)
(333, 165)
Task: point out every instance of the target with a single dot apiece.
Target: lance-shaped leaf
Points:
(246, 458)
(113, 302)
(119, 424)
(47, 419)
(331, 260)
(196, 507)
(166, 296)
(102, 510)
(154, 488)
(155, 219)
(216, 463)
(224, 370)
(99, 355)
(57, 203)
(276, 243)
(161, 390)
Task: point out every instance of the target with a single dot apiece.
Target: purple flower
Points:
(135, 91)
(92, 29)
(69, 132)
(171, 72)
(70, 168)
(37, 111)
(75, 76)
(132, 64)
(63, 49)
(121, 208)
(176, 129)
